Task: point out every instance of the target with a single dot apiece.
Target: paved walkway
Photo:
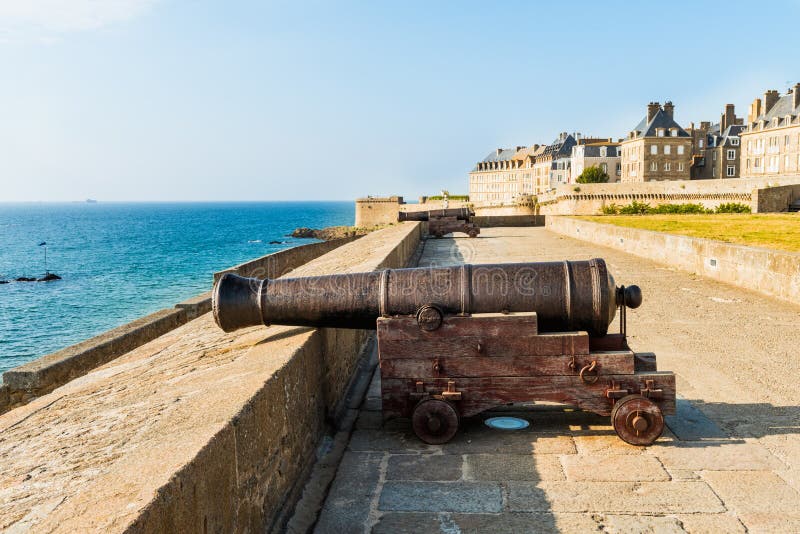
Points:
(729, 461)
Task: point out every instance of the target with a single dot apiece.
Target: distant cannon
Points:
(455, 341)
(444, 221)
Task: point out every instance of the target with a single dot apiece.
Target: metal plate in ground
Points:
(507, 423)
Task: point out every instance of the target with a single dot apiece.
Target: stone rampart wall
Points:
(372, 211)
(589, 199)
(771, 272)
(196, 431)
(33, 379)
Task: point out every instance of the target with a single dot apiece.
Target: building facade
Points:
(716, 148)
(501, 176)
(770, 141)
(604, 155)
(657, 149)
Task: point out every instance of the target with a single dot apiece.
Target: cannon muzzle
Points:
(566, 296)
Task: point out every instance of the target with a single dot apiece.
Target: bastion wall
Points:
(33, 379)
(375, 211)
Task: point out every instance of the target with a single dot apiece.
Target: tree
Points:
(593, 175)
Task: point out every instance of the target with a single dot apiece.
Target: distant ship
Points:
(91, 201)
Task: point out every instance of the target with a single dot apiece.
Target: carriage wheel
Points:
(473, 234)
(434, 421)
(637, 420)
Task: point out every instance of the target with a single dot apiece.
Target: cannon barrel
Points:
(462, 214)
(567, 296)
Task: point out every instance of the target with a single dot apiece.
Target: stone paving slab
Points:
(441, 496)
(631, 497)
(614, 468)
(717, 456)
(349, 500)
(502, 467)
(424, 467)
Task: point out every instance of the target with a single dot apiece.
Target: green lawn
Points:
(772, 230)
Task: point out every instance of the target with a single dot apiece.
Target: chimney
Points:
(755, 111)
(796, 96)
(520, 148)
(499, 151)
(652, 109)
(729, 118)
(770, 97)
(669, 108)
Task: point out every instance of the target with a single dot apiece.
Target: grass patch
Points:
(771, 230)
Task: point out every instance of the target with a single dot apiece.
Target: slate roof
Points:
(593, 151)
(660, 120)
(560, 147)
(505, 155)
(782, 108)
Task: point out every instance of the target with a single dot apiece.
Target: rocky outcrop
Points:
(333, 232)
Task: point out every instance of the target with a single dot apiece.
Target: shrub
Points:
(733, 207)
(611, 209)
(635, 208)
(679, 209)
(576, 189)
(592, 175)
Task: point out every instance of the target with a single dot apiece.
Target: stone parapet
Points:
(44, 374)
(196, 431)
(589, 199)
(771, 272)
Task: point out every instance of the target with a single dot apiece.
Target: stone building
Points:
(657, 149)
(604, 155)
(770, 141)
(551, 165)
(716, 147)
(499, 176)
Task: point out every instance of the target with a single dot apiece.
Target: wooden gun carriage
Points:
(444, 221)
(456, 341)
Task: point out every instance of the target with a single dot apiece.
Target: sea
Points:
(120, 261)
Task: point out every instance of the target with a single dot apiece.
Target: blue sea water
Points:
(120, 261)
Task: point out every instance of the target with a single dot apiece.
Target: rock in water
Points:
(303, 232)
(49, 277)
(25, 279)
(3, 281)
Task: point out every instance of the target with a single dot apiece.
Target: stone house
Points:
(499, 176)
(716, 147)
(604, 155)
(770, 141)
(551, 164)
(657, 149)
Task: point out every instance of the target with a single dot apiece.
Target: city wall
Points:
(761, 194)
(195, 431)
(771, 272)
(375, 211)
(33, 379)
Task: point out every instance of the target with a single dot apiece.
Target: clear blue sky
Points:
(202, 100)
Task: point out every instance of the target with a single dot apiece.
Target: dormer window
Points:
(674, 132)
(660, 132)
(787, 120)
(775, 121)
(603, 152)
(734, 141)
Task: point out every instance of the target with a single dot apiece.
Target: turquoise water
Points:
(120, 261)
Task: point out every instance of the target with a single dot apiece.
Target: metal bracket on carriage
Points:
(614, 392)
(650, 391)
(449, 394)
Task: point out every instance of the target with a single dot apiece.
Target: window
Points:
(604, 167)
(603, 152)
(757, 163)
(674, 132)
(619, 168)
(667, 167)
(653, 166)
(660, 132)
(714, 155)
(785, 162)
(680, 166)
(667, 149)
(786, 141)
(680, 150)
(730, 171)
(700, 143)
(654, 149)
(731, 155)
(735, 141)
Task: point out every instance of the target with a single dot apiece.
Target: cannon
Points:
(444, 221)
(456, 341)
